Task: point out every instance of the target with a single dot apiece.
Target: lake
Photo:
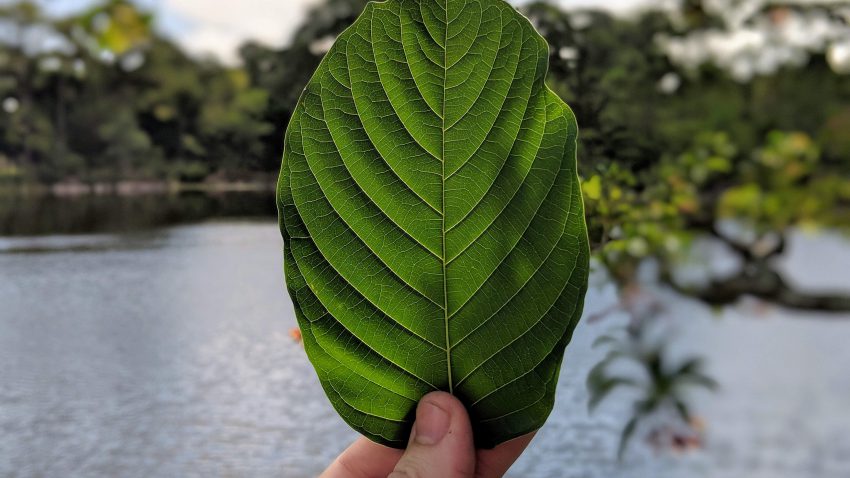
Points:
(150, 337)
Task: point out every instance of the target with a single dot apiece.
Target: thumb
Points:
(441, 444)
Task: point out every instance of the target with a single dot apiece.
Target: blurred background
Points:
(144, 325)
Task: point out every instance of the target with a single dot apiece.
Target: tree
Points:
(285, 72)
(676, 155)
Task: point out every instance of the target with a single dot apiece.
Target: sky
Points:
(218, 27)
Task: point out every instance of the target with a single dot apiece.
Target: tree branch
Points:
(766, 284)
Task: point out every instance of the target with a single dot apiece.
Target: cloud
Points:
(219, 27)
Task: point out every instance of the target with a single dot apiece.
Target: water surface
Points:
(165, 352)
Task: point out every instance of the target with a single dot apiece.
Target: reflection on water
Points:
(168, 360)
(166, 353)
(47, 214)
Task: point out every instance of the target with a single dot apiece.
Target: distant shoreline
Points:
(135, 188)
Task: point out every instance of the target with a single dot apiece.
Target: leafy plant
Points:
(432, 218)
(661, 386)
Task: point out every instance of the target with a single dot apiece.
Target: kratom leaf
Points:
(432, 218)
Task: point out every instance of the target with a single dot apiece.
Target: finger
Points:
(496, 462)
(363, 459)
(441, 443)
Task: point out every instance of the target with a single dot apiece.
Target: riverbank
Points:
(72, 188)
(130, 207)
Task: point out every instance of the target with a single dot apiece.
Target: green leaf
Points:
(605, 340)
(432, 217)
(683, 410)
(600, 384)
(691, 373)
(626, 436)
(593, 188)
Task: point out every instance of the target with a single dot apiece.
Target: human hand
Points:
(440, 446)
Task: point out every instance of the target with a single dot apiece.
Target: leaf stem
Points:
(443, 201)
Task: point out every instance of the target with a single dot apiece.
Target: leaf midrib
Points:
(443, 201)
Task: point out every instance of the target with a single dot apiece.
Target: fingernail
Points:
(432, 424)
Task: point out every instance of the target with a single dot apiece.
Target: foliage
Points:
(673, 155)
(116, 101)
(660, 384)
(669, 154)
(283, 72)
(433, 221)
